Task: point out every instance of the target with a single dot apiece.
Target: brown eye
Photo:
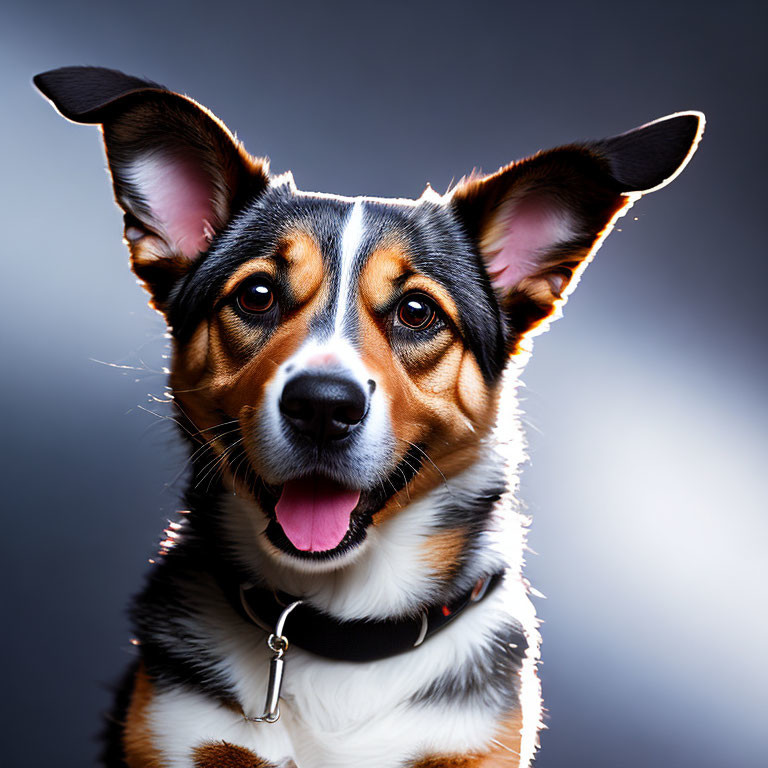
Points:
(256, 296)
(416, 312)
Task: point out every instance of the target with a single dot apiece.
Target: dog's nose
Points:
(323, 406)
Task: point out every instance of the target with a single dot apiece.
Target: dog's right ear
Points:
(178, 173)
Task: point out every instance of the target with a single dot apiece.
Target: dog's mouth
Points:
(315, 518)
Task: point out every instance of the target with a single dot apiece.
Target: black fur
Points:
(164, 614)
(88, 94)
(645, 157)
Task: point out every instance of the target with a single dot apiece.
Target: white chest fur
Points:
(342, 714)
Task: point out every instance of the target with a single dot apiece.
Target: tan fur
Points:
(504, 753)
(305, 264)
(441, 552)
(222, 755)
(466, 761)
(138, 739)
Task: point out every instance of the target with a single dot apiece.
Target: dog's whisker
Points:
(198, 435)
(218, 469)
(119, 366)
(213, 467)
(191, 390)
(437, 469)
(209, 442)
(216, 458)
(169, 418)
(504, 746)
(428, 458)
(236, 468)
(201, 472)
(181, 410)
(226, 459)
(405, 483)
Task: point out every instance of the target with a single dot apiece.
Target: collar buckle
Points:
(278, 643)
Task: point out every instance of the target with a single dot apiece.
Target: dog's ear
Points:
(538, 222)
(178, 173)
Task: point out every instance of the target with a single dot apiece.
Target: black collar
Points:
(356, 640)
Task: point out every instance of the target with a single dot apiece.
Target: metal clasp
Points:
(278, 643)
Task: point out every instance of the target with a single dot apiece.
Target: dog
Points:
(345, 588)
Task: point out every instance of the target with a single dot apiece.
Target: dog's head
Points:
(338, 355)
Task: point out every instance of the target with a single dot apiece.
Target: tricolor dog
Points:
(345, 588)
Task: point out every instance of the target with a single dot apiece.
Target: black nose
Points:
(323, 406)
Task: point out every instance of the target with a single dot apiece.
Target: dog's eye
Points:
(416, 311)
(256, 296)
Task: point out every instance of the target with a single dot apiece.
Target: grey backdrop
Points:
(645, 405)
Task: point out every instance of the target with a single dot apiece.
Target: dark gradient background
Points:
(646, 408)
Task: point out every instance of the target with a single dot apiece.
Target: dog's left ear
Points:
(538, 222)
(178, 173)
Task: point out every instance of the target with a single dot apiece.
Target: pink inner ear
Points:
(524, 229)
(179, 198)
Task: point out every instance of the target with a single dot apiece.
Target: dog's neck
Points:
(391, 574)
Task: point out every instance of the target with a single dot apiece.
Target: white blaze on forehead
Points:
(351, 240)
(332, 353)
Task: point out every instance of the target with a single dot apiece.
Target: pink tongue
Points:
(314, 513)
